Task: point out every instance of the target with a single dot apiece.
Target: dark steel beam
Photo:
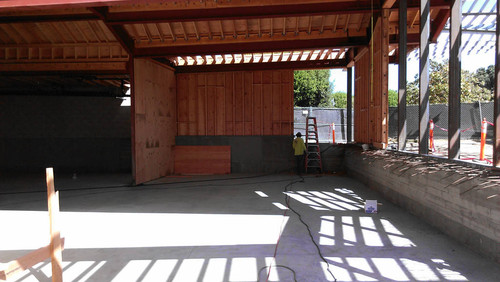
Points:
(349, 105)
(402, 75)
(296, 65)
(423, 128)
(455, 89)
(496, 103)
(411, 39)
(250, 47)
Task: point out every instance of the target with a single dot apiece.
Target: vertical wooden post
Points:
(455, 80)
(349, 105)
(402, 75)
(55, 235)
(496, 118)
(425, 22)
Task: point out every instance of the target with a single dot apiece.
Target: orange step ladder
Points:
(313, 154)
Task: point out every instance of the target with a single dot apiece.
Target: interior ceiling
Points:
(65, 84)
(102, 36)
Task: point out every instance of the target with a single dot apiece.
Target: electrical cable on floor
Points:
(147, 184)
(279, 238)
(287, 201)
(287, 198)
(280, 266)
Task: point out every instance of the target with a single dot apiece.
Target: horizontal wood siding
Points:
(202, 159)
(235, 103)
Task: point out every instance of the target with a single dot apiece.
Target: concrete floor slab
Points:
(225, 228)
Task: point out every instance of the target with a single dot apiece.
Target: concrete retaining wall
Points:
(250, 153)
(255, 154)
(444, 195)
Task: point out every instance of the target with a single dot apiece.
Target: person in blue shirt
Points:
(299, 150)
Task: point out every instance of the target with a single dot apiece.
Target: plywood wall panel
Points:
(371, 89)
(192, 104)
(267, 102)
(220, 120)
(154, 120)
(276, 106)
(211, 106)
(257, 107)
(236, 103)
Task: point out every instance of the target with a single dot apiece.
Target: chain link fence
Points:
(472, 115)
(470, 120)
(324, 119)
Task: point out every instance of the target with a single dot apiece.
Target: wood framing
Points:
(55, 247)
(153, 120)
(371, 86)
(10, 269)
(235, 103)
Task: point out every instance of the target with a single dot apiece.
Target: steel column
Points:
(402, 75)
(455, 89)
(423, 128)
(496, 130)
(349, 105)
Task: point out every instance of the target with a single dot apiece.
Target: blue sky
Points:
(473, 56)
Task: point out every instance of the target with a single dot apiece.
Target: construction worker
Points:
(299, 149)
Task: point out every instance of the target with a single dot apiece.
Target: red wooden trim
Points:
(298, 65)
(250, 47)
(438, 24)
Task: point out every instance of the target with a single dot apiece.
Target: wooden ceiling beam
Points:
(131, 17)
(98, 67)
(171, 30)
(259, 11)
(251, 47)
(118, 31)
(298, 65)
(388, 4)
(438, 24)
(184, 32)
(160, 33)
(196, 31)
(243, 12)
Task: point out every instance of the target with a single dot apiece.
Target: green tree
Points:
(312, 88)
(472, 88)
(486, 77)
(340, 99)
(393, 98)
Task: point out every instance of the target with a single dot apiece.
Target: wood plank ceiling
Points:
(101, 36)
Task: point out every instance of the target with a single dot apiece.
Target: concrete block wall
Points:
(69, 133)
(458, 200)
(250, 154)
(269, 154)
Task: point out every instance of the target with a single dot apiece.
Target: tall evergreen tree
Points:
(312, 88)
